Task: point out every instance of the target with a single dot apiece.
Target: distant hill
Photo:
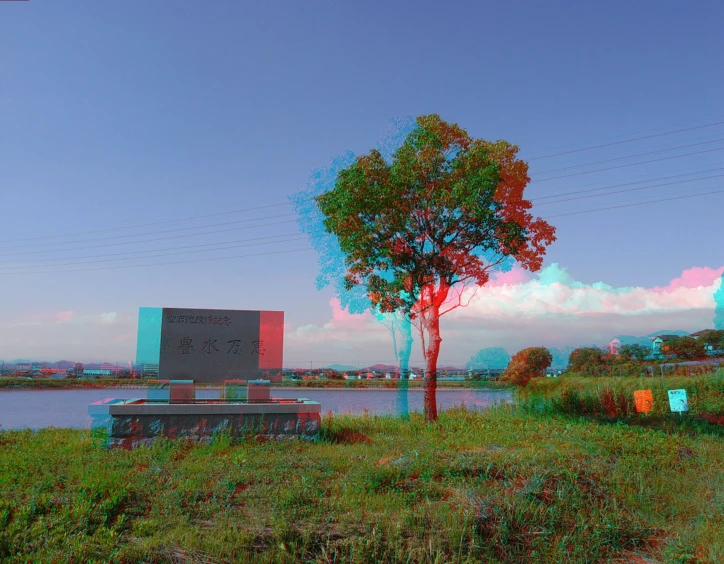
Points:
(381, 368)
(61, 363)
(668, 332)
(645, 340)
(341, 367)
(633, 340)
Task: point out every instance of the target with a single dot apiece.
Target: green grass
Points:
(504, 485)
(69, 383)
(608, 399)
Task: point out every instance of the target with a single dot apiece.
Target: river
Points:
(36, 409)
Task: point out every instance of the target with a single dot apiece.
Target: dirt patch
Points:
(685, 453)
(713, 418)
(348, 437)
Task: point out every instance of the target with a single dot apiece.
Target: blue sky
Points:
(126, 113)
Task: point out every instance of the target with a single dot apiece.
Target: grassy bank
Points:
(608, 399)
(85, 383)
(503, 485)
(394, 384)
(69, 383)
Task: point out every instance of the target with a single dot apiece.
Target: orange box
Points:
(644, 400)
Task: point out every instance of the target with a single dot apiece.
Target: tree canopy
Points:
(719, 308)
(585, 358)
(527, 364)
(713, 338)
(634, 352)
(446, 212)
(492, 357)
(688, 348)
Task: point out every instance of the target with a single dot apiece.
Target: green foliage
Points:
(588, 359)
(714, 338)
(493, 357)
(527, 364)
(613, 399)
(634, 352)
(432, 214)
(507, 485)
(447, 211)
(688, 348)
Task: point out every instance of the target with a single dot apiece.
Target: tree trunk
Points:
(432, 326)
(403, 358)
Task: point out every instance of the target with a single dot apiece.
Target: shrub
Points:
(688, 348)
(634, 352)
(586, 359)
(527, 364)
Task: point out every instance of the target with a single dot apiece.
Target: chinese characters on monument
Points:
(219, 345)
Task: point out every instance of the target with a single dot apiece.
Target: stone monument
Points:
(211, 346)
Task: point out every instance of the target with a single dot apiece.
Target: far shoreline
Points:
(328, 389)
(7, 384)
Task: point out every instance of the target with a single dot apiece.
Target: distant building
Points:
(614, 345)
(50, 371)
(661, 343)
(95, 373)
(711, 349)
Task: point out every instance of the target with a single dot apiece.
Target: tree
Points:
(588, 358)
(332, 260)
(333, 375)
(719, 308)
(634, 352)
(688, 348)
(441, 217)
(713, 338)
(493, 357)
(527, 364)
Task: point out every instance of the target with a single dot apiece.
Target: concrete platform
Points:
(137, 422)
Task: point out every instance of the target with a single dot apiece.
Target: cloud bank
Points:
(517, 310)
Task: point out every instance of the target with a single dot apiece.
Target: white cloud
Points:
(518, 310)
(108, 318)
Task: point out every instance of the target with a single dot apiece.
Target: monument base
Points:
(137, 422)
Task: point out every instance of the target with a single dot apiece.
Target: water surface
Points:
(35, 409)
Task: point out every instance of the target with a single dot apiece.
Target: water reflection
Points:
(69, 408)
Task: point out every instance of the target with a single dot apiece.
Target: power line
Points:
(155, 238)
(172, 248)
(625, 136)
(630, 156)
(635, 204)
(309, 249)
(628, 190)
(624, 184)
(287, 203)
(628, 164)
(626, 141)
(163, 231)
(624, 200)
(31, 265)
(165, 263)
(142, 224)
(623, 151)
